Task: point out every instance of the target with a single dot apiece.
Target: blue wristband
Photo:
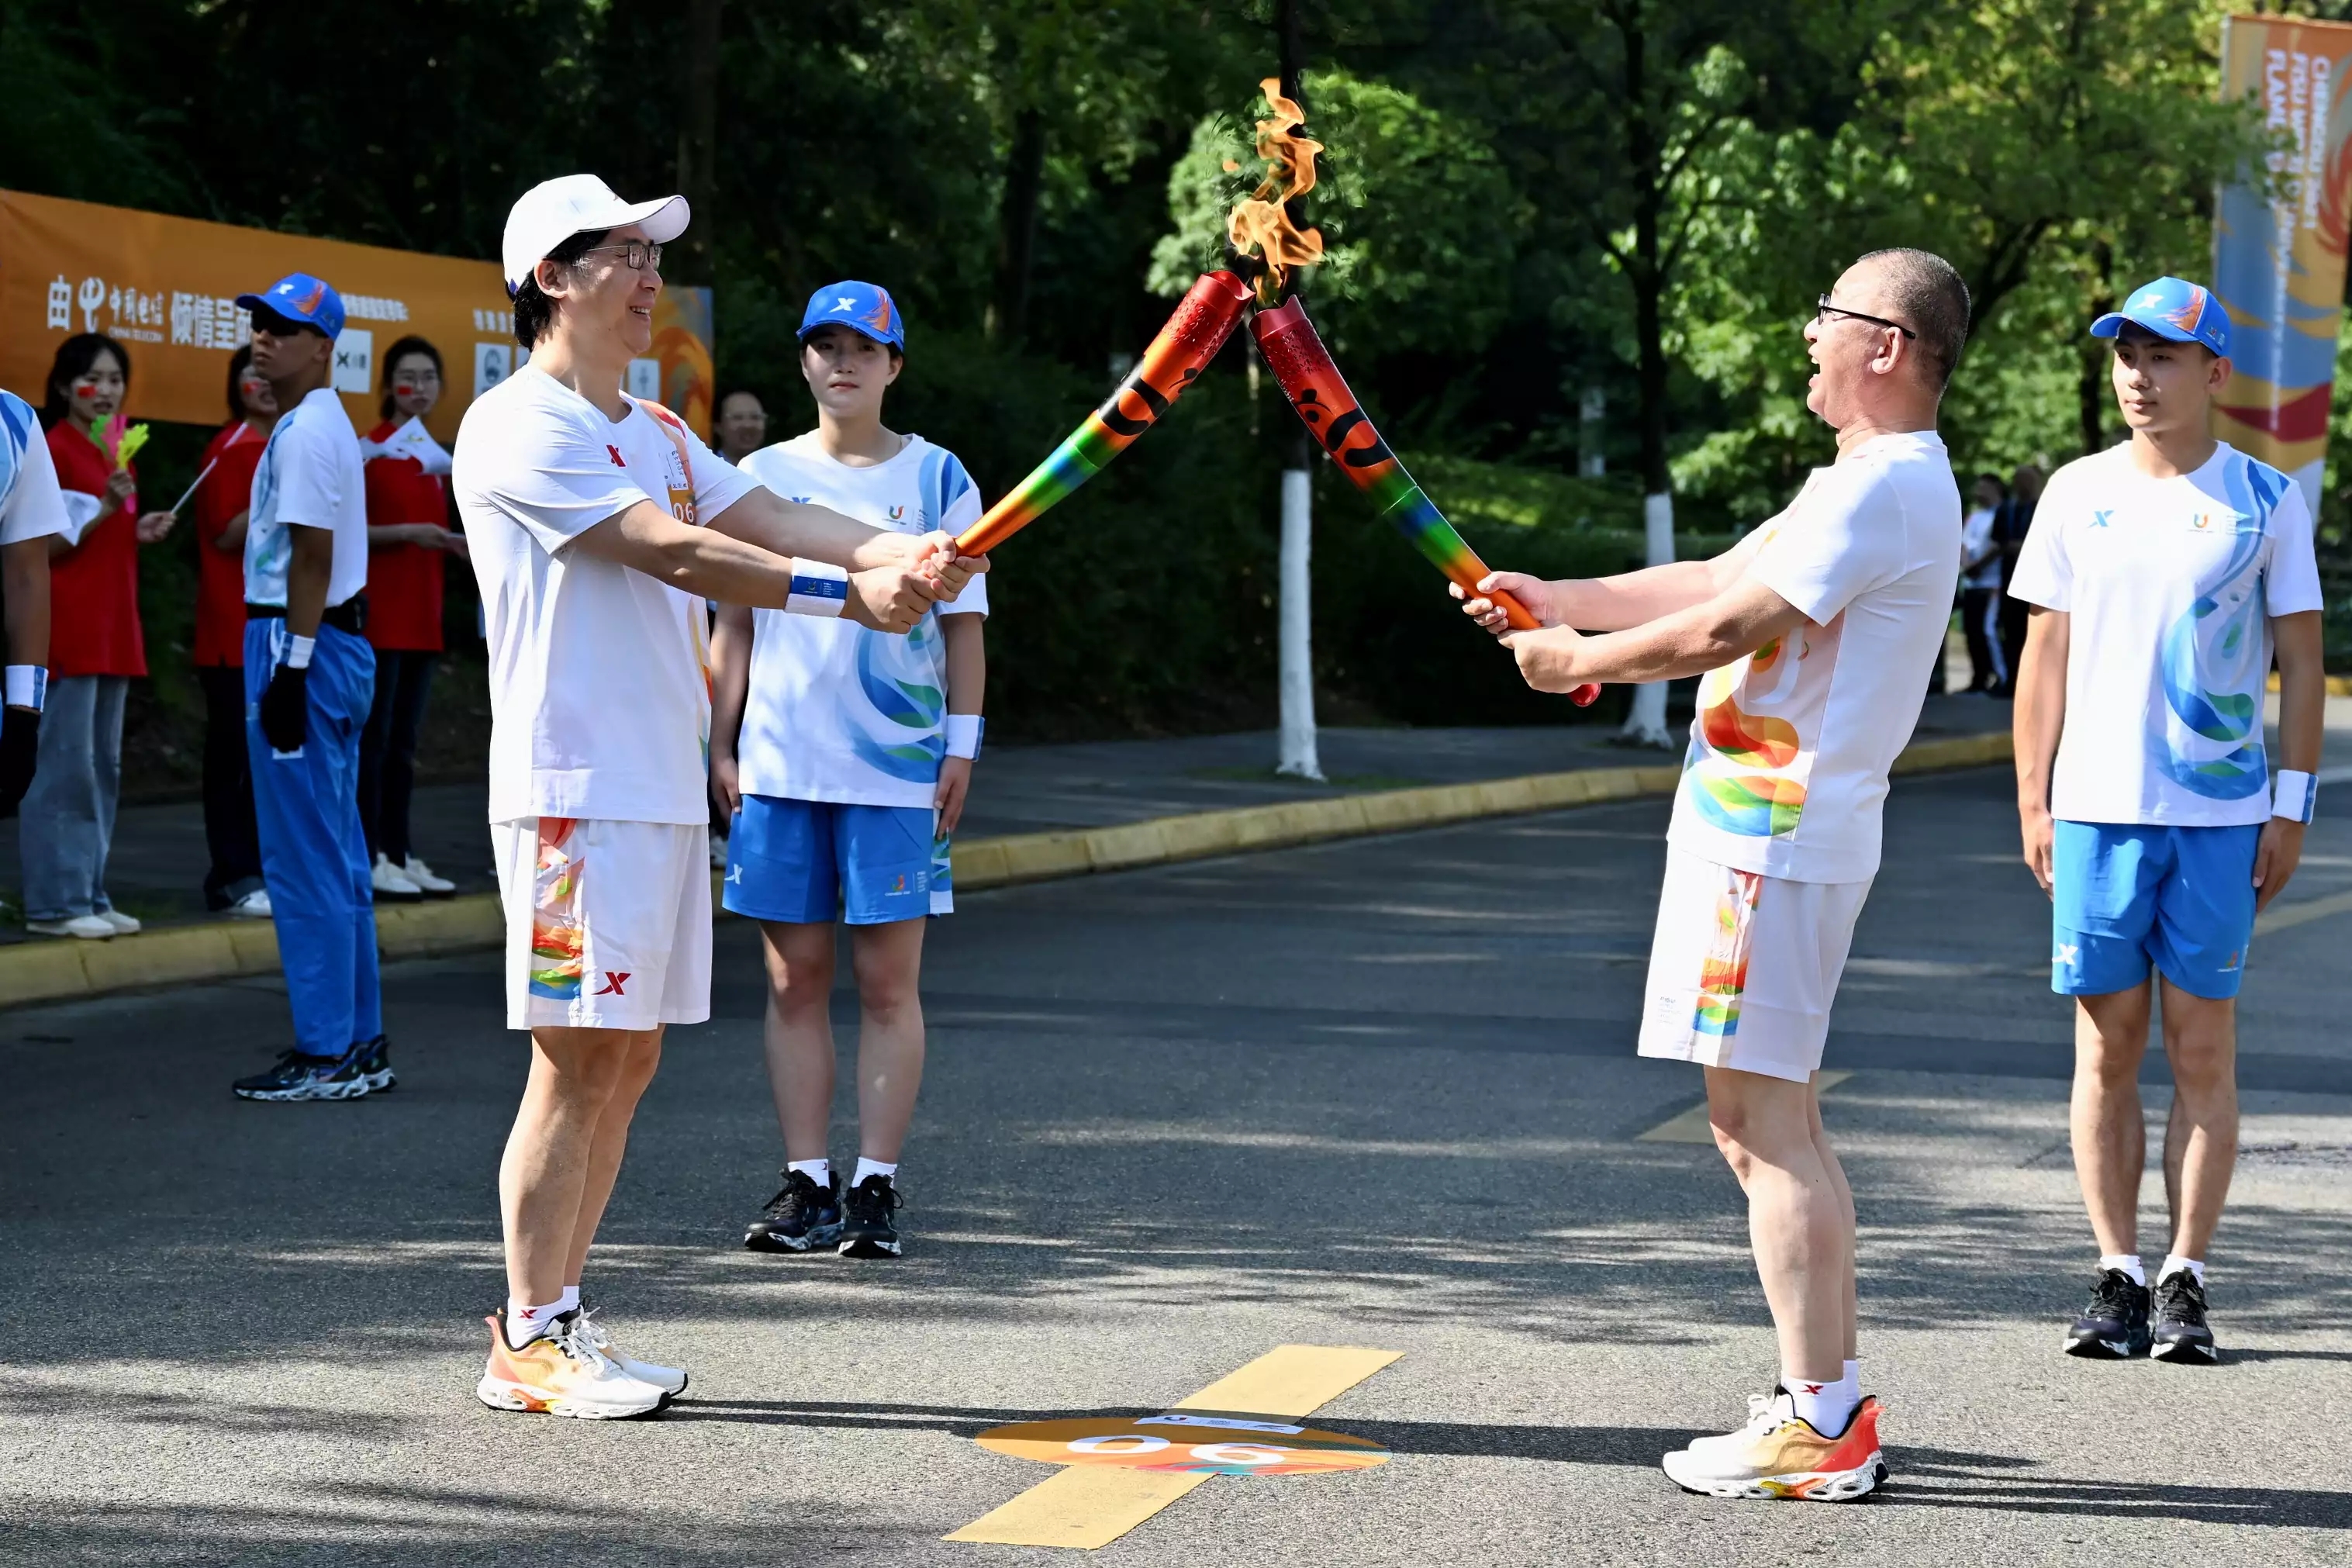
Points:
(817, 589)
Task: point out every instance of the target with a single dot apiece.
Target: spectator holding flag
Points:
(409, 542)
(95, 642)
(219, 508)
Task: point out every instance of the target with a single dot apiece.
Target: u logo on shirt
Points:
(2213, 523)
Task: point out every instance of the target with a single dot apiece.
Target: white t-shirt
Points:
(1976, 540)
(1789, 750)
(2168, 586)
(310, 477)
(600, 675)
(837, 712)
(31, 505)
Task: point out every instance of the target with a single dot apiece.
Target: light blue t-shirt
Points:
(835, 711)
(310, 477)
(2169, 585)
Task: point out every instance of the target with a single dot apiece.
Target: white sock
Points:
(569, 1301)
(526, 1323)
(2129, 1263)
(1851, 1376)
(2174, 1262)
(1829, 1407)
(867, 1167)
(818, 1171)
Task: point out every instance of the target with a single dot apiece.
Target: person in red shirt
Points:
(224, 489)
(409, 543)
(95, 647)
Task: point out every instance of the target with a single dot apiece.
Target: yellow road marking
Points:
(2279, 917)
(1081, 1506)
(1690, 1126)
(1090, 1506)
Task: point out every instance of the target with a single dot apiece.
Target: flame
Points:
(1260, 224)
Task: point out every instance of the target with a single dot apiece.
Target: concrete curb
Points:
(47, 970)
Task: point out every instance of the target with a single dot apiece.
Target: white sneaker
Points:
(124, 925)
(89, 928)
(561, 1374)
(670, 1380)
(391, 882)
(418, 872)
(254, 906)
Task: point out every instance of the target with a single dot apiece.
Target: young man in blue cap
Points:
(2162, 574)
(844, 754)
(309, 675)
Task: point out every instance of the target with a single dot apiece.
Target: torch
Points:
(1311, 381)
(1204, 319)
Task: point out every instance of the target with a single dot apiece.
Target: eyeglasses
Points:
(638, 253)
(1823, 310)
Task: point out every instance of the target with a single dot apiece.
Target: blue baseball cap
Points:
(866, 308)
(298, 297)
(2172, 308)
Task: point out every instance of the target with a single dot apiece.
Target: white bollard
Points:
(1645, 721)
(1297, 663)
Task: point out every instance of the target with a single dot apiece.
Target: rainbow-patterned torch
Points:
(1204, 319)
(1313, 384)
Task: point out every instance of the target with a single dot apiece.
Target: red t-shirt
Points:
(226, 492)
(404, 586)
(94, 588)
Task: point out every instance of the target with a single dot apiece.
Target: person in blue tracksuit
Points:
(309, 677)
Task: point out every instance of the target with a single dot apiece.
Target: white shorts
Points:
(1744, 967)
(608, 924)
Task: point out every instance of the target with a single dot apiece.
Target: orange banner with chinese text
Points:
(166, 289)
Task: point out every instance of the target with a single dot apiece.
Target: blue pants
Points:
(2126, 896)
(313, 854)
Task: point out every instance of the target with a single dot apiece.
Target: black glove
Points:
(285, 705)
(20, 747)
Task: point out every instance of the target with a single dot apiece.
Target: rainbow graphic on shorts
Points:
(557, 935)
(1723, 977)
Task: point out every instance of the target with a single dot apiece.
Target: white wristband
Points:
(2298, 793)
(817, 589)
(28, 686)
(963, 735)
(298, 651)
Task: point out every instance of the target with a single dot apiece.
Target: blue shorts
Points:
(812, 862)
(2124, 895)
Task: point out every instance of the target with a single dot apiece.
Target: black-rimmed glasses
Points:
(1824, 309)
(640, 253)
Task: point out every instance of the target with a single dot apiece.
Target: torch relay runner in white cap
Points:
(599, 525)
(1815, 636)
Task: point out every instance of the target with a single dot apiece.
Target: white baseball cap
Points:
(553, 212)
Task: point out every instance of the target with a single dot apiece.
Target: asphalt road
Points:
(1377, 1093)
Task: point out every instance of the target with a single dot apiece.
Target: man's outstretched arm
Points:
(1690, 641)
(781, 527)
(1614, 604)
(713, 564)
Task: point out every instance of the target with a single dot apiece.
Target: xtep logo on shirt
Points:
(614, 983)
(800, 500)
(619, 461)
(2100, 519)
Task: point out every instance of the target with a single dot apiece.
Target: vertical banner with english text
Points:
(166, 288)
(2278, 247)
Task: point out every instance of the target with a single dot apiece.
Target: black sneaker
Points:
(2113, 1327)
(801, 1215)
(2181, 1333)
(375, 1064)
(866, 1228)
(298, 1076)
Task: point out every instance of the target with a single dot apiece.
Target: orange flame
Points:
(1260, 223)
